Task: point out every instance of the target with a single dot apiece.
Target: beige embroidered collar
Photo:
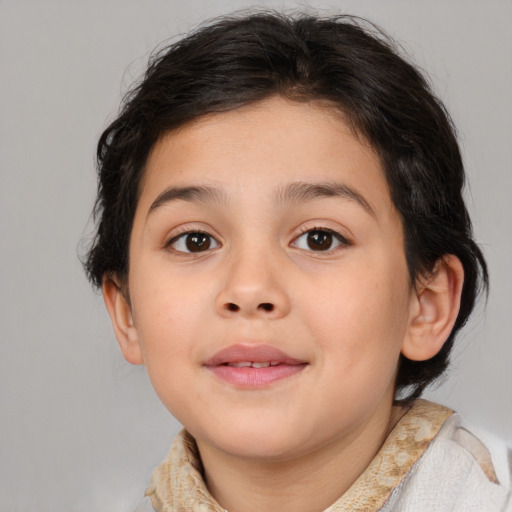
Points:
(177, 484)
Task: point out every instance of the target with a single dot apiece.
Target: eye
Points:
(319, 240)
(193, 241)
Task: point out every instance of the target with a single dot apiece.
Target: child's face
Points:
(286, 249)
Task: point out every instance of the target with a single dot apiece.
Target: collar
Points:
(178, 486)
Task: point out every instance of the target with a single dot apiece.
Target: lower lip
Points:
(252, 378)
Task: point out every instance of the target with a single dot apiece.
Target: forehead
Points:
(272, 143)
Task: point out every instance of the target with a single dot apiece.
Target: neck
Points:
(309, 483)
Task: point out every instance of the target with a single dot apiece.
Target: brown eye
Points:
(194, 242)
(319, 240)
(197, 242)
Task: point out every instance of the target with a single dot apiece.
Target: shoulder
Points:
(463, 469)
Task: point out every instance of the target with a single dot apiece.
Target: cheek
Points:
(169, 315)
(167, 326)
(359, 318)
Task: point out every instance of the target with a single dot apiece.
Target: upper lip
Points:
(253, 353)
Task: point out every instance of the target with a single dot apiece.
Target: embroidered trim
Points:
(403, 447)
(178, 486)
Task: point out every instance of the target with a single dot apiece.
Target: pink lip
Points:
(249, 377)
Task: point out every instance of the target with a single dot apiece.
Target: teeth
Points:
(246, 364)
(260, 365)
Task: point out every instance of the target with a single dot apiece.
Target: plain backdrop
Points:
(80, 429)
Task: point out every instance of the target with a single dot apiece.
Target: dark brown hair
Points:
(342, 61)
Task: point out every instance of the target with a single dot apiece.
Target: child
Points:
(282, 241)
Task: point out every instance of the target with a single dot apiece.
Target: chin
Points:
(257, 442)
(267, 450)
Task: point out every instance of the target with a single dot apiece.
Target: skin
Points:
(347, 312)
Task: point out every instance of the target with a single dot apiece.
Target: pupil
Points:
(197, 242)
(319, 240)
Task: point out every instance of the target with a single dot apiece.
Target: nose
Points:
(253, 288)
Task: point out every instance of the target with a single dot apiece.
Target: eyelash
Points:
(183, 237)
(335, 237)
(342, 241)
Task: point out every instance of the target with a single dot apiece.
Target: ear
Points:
(434, 309)
(120, 312)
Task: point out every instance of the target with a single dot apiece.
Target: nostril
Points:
(235, 308)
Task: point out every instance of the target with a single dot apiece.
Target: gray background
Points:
(80, 429)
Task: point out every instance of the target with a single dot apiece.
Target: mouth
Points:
(253, 366)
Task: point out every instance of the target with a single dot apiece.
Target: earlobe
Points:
(120, 312)
(434, 310)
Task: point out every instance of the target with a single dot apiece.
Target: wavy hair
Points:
(344, 61)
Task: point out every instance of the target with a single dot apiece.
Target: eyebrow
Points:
(293, 192)
(189, 193)
(304, 191)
